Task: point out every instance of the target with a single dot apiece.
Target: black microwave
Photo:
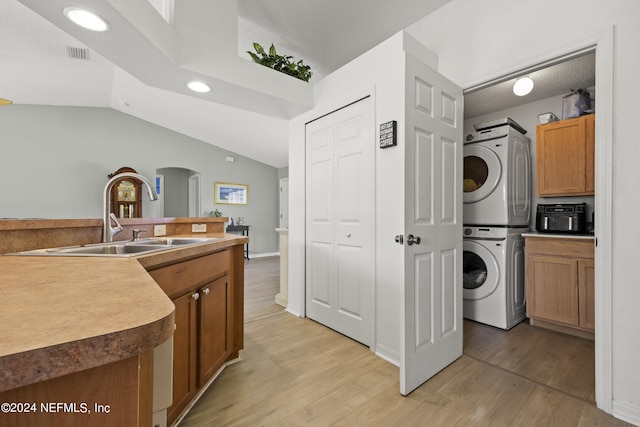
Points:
(562, 218)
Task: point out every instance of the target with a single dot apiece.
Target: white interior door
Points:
(160, 190)
(339, 224)
(431, 336)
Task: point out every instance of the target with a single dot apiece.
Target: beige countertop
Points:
(559, 236)
(66, 314)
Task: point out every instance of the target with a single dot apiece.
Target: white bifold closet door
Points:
(339, 220)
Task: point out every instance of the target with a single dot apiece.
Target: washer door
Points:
(482, 171)
(480, 271)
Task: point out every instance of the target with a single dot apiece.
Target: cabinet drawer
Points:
(176, 278)
(574, 248)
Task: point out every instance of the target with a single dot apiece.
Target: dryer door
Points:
(480, 271)
(482, 171)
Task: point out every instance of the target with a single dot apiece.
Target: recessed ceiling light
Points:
(197, 86)
(523, 86)
(86, 19)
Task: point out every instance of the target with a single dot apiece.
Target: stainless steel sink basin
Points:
(174, 241)
(108, 250)
(121, 249)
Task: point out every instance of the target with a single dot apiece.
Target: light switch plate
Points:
(198, 228)
(159, 230)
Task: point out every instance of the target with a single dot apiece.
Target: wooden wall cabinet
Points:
(208, 318)
(560, 281)
(565, 152)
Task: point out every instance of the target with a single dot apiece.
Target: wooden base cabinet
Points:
(185, 355)
(216, 330)
(560, 281)
(115, 394)
(207, 320)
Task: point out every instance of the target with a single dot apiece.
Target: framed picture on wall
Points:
(231, 194)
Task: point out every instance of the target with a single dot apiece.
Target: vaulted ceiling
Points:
(141, 66)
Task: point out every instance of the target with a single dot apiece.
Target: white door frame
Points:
(602, 42)
(194, 196)
(284, 203)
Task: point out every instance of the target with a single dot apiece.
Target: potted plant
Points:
(283, 63)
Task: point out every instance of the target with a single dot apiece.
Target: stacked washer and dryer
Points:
(497, 210)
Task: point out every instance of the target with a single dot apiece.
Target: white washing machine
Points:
(493, 275)
(497, 178)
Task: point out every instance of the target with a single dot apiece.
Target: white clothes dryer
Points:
(497, 178)
(493, 276)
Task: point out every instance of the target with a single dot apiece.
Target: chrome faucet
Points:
(108, 230)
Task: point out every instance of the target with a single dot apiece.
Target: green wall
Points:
(54, 163)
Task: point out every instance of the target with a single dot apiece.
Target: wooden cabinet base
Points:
(570, 330)
(115, 394)
(560, 284)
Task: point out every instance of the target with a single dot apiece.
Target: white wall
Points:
(378, 73)
(54, 163)
(478, 41)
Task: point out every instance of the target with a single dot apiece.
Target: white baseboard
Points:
(387, 354)
(263, 255)
(626, 412)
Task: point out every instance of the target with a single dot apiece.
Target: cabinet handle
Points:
(205, 291)
(196, 296)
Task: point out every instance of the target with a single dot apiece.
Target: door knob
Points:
(411, 239)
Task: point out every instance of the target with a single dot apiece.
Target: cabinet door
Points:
(586, 280)
(216, 333)
(552, 289)
(561, 156)
(590, 127)
(184, 354)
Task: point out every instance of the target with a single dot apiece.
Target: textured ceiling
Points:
(550, 81)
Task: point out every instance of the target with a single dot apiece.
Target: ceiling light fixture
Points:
(197, 86)
(523, 86)
(86, 19)
(5, 101)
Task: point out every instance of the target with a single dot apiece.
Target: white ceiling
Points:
(549, 81)
(325, 33)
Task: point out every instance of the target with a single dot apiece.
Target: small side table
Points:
(244, 230)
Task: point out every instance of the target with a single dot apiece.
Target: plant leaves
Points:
(284, 63)
(254, 56)
(258, 48)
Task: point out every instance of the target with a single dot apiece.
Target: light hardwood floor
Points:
(295, 372)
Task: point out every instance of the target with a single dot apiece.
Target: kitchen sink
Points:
(174, 241)
(108, 250)
(121, 249)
